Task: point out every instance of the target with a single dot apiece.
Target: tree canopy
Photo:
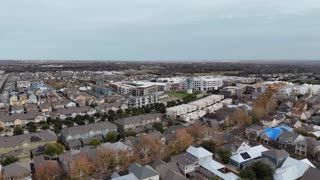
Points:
(258, 170)
(18, 130)
(209, 145)
(111, 137)
(224, 155)
(53, 149)
(9, 160)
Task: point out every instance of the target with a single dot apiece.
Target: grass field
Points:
(178, 94)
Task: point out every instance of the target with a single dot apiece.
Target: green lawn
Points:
(178, 94)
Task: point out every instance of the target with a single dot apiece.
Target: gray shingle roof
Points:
(288, 134)
(168, 171)
(23, 167)
(86, 128)
(142, 172)
(137, 119)
(45, 136)
(29, 116)
(277, 154)
(311, 173)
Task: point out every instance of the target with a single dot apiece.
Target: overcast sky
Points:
(160, 30)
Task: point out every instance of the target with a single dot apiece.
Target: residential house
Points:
(272, 121)
(156, 135)
(23, 97)
(18, 170)
(45, 161)
(293, 123)
(8, 121)
(138, 121)
(302, 115)
(67, 160)
(301, 106)
(245, 157)
(114, 98)
(145, 172)
(309, 128)
(70, 104)
(21, 154)
(31, 107)
(276, 156)
(115, 106)
(100, 88)
(17, 109)
(14, 100)
(32, 99)
(86, 131)
(291, 169)
(72, 112)
(199, 161)
(309, 147)
(59, 105)
(254, 132)
(45, 107)
(311, 173)
(26, 141)
(172, 129)
(315, 120)
(100, 108)
(236, 144)
(84, 99)
(285, 107)
(118, 147)
(75, 144)
(130, 176)
(288, 140)
(218, 118)
(271, 135)
(168, 171)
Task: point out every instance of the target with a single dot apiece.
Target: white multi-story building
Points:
(202, 83)
(23, 84)
(292, 89)
(140, 101)
(193, 109)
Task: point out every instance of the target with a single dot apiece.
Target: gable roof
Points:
(275, 153)
(116, 146)
(45, 136)
(311, 173)
(256, 127)
(142, 172)
(137, 119)
(72, 131)
(129, 176)
(288, 134)
(251, 153)
(272, 133)
(28, 116)
(23, 167)
(168, 171)
(214, 166)
(291, 169)
(199, 152)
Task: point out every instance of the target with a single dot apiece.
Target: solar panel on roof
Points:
(245, 155)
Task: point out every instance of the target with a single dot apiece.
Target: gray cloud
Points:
(159, 30)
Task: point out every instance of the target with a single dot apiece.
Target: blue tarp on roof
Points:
(274, 133)
(285, 128)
